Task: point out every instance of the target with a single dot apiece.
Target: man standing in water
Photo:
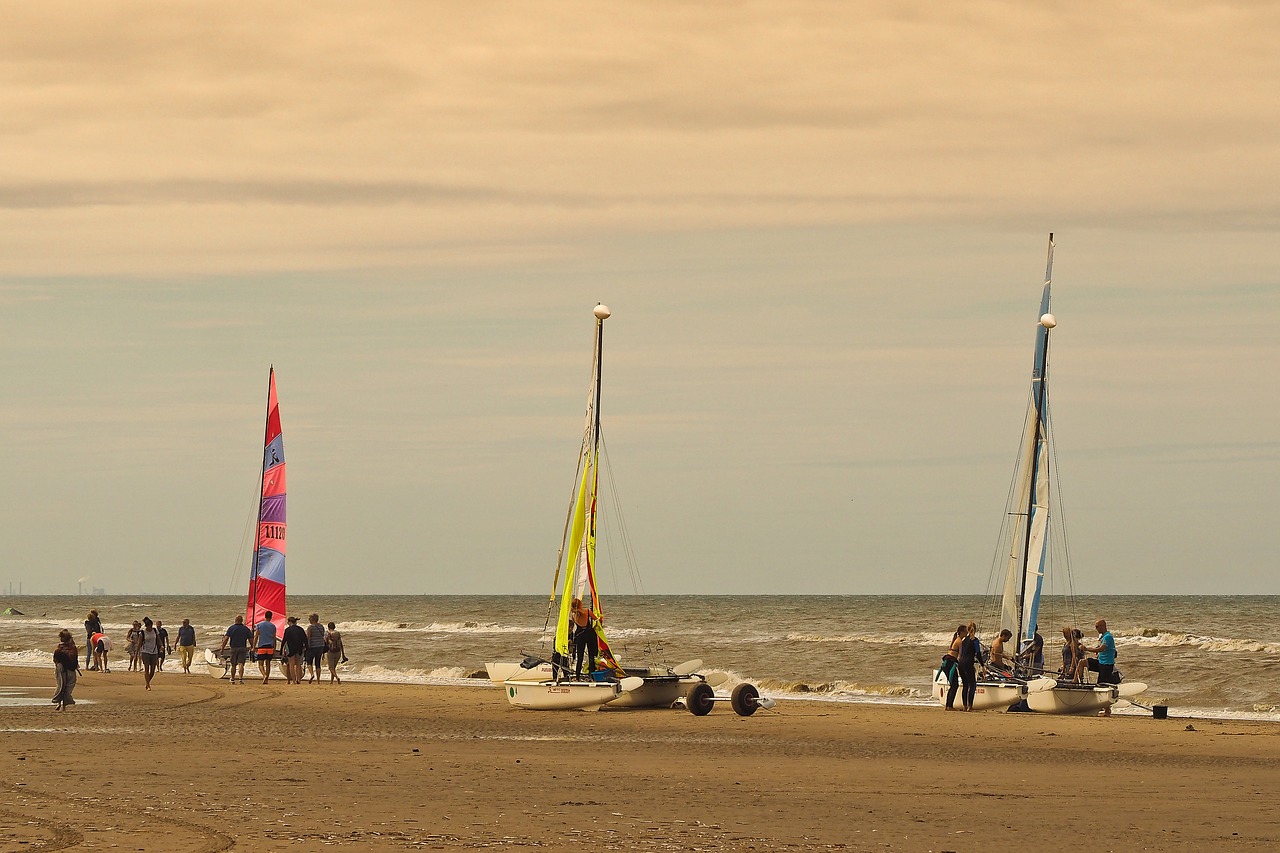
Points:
(264, 642)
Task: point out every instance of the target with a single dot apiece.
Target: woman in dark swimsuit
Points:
(585, 643)
(966, 662)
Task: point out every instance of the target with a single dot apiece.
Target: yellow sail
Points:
(573, 555)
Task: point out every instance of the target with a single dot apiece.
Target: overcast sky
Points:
(821, 228)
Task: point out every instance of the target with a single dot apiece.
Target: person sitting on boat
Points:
(585, 642)
(996, 661)
(1031, 658)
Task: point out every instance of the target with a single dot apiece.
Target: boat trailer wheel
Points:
(745, 699)
(700, 699)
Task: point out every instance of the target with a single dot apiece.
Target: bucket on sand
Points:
(1160, 712)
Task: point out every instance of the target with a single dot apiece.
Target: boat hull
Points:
(560, 695)
(1074, 699)
(989, 696)
(216, 665)
(661, 687)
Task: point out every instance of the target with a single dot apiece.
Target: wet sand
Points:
(202, 765)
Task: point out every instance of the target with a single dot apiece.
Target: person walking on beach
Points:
(316, 645)
(92, 625)
(163, 633)
(294, 646)
(66, 666)
(149, 649)
(335, 653)
(237, 637)
(966, 661)
(264, 643)
(132, 639)
(186, 645)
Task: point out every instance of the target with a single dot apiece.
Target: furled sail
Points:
(1020, 603)
(266, 581)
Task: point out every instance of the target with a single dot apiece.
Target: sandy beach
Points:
(202, 765)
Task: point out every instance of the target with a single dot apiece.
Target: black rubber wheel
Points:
(744, 699)
(699, 699)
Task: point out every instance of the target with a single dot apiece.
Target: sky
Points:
(821, 229)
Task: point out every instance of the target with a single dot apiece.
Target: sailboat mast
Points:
(595, 407)
(257, 528)
(1039, 380)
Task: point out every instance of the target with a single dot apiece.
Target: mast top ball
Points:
(602, 311)
(1048, 321)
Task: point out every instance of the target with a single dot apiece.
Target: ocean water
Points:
(1201, 655)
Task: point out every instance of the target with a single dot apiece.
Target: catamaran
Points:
(1027, 557)
(266, 576)
(561, 683)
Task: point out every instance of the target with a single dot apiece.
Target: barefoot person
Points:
(335, 652)
(92, 625)
(101, 646)
(316, 645)
(66, 665)
(293, 646)
(149, 650)
(1105, 663)
(264, 643)
(186, 645)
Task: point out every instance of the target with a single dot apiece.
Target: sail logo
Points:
(273, 531)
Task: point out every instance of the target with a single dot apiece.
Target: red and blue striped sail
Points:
(266, 581)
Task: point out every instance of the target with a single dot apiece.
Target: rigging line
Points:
(1062, 517)
(1004, 541)
(234, 583)
(624, 533)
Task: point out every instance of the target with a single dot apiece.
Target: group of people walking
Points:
(148, 644)
(313, 646)
(965, 655)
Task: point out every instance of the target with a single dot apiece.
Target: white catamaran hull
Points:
(1074, 699)
(660, 688)
(218, 667)
(560, 695)
(989, 696)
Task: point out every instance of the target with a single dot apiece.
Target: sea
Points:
(1201, 656)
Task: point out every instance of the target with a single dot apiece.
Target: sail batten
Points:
(267, 577)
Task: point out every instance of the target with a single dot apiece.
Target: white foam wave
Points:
(1171, 639)
(376, 626)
